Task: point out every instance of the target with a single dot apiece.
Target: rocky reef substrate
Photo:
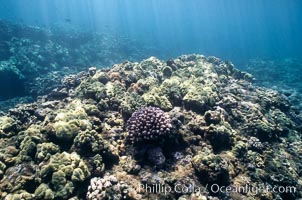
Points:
(283, 75)
(224, 132)
(33, 60)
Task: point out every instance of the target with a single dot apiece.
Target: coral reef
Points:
(73, 143)
(282, 75)
(36, 59)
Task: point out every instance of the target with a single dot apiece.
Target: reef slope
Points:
(73, 143)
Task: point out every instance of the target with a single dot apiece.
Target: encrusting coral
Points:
(224, 131)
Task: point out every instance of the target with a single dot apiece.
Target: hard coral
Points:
(149, 123)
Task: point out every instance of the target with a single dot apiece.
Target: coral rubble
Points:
(75, 142)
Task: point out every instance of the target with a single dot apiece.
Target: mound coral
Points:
(148, 123)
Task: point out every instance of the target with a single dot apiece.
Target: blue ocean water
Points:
(234, 30)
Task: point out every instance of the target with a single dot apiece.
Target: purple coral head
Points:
(148, 123)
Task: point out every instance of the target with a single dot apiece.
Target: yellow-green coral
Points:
(44, 192)
(154, 99)
(21, 196)
(90, 89)
(28, 141)
(7, 125)
(131, 102)
(91, 109)
(45, 150)
(115, 89)
(66, 130)
(199, 98)
(70, 121)
(65, 170)
(90, 141)
(2, 169)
